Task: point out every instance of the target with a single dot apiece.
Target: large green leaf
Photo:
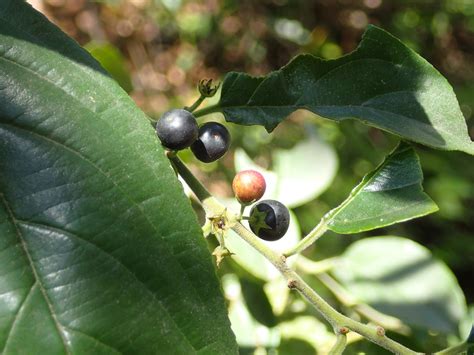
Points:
(100, 251)
(390, 194)
(401, 278)
(383, 83)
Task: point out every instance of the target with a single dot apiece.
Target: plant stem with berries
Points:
(338, 321)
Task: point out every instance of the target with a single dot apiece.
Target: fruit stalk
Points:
(316, 233)
(340, 345)
(207, 110)
(196, 104)
(336, 319)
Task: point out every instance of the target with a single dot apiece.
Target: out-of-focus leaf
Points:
(400, 277)
(470, 338)
(248, 331)
(111, 60)
(294, 346)
(390, 194)
(364, 347)
(304, 172)
(299, 174)
(278, 294)
(257, 302)
(382, 83)
(308, 329)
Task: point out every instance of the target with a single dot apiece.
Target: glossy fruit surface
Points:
(213, 142)
(269, 219)
(249, 186)
(177, 129)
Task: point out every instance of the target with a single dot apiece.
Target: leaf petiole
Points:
(207, 110)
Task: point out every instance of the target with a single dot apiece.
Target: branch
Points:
(207, 110)
(337, 320)
(340, 345)
(455, 350)
(309, 266)
(343, 296)
(308, 240)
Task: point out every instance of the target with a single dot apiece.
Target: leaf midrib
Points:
(385, 214)
(421, 125)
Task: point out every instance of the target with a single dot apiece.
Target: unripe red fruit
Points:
(249, 186)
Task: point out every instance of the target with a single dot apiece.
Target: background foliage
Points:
(158, 51)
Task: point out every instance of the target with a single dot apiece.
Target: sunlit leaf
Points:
(113, 61)
(309, 329)
(248, 331)
(390, 194)
(400, 277)
(382, 83)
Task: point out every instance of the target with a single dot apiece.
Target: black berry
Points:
(177, 129)
(269, 219)
(213, 142)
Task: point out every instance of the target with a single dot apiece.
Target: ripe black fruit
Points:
(177, 129)
(269, 219)
(213, 142)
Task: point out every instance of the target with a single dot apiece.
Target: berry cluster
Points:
(178, 129)
(268, 219)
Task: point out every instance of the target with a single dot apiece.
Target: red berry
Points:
(249, 186)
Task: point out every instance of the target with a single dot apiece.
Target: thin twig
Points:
(309, 239)
(340, 345)
(343, 296)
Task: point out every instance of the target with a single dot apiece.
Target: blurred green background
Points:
(159, 50)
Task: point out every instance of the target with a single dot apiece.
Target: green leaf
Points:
(113, 61)
(295, 346)
(390, 194)
(382, 83)
(257, 302)
(100, 251)
(248, 331)
(400, 277)
(309, 329)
